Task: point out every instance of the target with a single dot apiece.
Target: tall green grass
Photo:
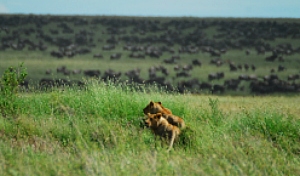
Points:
(96, 131)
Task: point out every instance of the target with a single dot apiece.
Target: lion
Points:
(174, 120)
(161, 127)
(157, 107)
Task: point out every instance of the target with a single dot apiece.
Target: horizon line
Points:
(150, 16)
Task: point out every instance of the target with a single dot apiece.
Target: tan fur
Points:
(174, 120)
(161, 127)
(157, 107)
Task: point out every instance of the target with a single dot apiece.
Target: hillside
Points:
(201, 55)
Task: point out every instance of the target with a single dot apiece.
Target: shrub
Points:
(9, 87)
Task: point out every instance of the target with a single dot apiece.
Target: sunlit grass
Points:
(96, 131)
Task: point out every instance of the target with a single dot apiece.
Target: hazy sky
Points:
(196, 8)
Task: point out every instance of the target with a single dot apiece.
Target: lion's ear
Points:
(151, 103)
(159, 102)
(158, 115)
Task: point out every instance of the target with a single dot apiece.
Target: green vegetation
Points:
(96, 131)
(9, 88)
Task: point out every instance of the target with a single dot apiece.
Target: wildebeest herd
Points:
(64, 37)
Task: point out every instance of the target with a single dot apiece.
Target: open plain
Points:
(240, 120)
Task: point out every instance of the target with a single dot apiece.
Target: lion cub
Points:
(157, 107)
(161, 127)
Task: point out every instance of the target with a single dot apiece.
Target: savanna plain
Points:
(96, 129)
(97, 132)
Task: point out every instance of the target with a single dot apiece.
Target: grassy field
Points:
(97, 131)
(37, 62)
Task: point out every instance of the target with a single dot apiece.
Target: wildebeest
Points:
(293, 77)
(98, 55)
(217, 88)
(246, 66)
(164, 70)
(260, 50)
(232, 67)
(205, 85)
(170, 61)
(183, 74)
(67, 72)
(76, 83)
(196, 62)
(111, 75)
(46, 83)
(48, 71)
(187, 67)
(115, 56)
(273, 85)
(232, 84)
(244, 77)
(108, 47)
(252, 77)
(188, 85)
(247, 52)
(280, 59)
(153, 52)
(177, 67)
(57, 54)
(239, 66)
(62, 82)
(217, 75)
(76, 71)
(61, 69)
(281, 68)
(271, 58)
(137, 55)
(92, 73)
(134, 75)
(215, 53)
(176, 57)
(217, 61)
(24, 85)
(156, 80)
(270, 77)
(152, 72)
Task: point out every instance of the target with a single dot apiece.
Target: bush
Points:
(9, 88)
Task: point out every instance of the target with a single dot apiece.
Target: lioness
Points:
(157, 107)
(161, 127)
(174, 120)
